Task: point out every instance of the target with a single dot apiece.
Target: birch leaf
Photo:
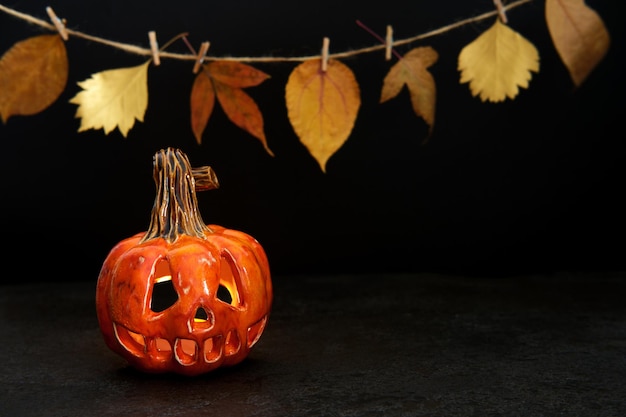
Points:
(579, 36)
(113, 98)
(497, 63)
(33, 74)
(412, 71)
(322, 106)
(225, 80)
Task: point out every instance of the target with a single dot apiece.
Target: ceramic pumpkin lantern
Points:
(183, 297)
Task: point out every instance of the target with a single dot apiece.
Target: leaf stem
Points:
(189, 46)
(171, 41)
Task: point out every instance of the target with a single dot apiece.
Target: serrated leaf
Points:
(579, 36)
(113, 98)
(202, 103)
(412, 71)
(497, 63)
(322, 106)
(33, 74)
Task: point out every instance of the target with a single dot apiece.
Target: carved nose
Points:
(201, 314)
(203, 318)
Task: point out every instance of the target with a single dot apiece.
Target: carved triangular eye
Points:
(164, 294)
(224, 295)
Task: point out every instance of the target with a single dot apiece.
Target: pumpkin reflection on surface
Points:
(183, 297)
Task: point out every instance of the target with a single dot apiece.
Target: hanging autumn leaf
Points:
(225, 80)
(236, 74)
(497, 63)
(202, 103)
(242, 111)
(113, 98)
(33, 74)
(322, 106)
(412, 71)
(579, 36)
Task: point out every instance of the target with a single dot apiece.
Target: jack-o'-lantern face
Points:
(187, 308)
(186, 305)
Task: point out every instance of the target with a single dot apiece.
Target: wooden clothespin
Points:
(325, 44)
(154, 46)
(501, 11)
(204, 48)
(58, 23)
(388, 42)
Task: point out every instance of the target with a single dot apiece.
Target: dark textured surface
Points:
(349, 345)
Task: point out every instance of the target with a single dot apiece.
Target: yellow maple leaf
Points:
(412, 71)
(497, 63)
(33, 74)
(113, 98)
(579, 36)
(322, 106)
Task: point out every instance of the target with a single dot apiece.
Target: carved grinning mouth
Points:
(186, 351)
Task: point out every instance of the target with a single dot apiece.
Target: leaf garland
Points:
(322, 106)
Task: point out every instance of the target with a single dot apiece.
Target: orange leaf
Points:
(202, 103)
(236, 74)
(33, 74)
(412, 71)
(226, 80)
(242, 111)
(578, 34)
(322, 106)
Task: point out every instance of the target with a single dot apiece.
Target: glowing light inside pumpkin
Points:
(187, 351)
(201, 315)
(163, 278)
(164, 294)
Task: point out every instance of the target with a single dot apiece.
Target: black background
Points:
(533, 184)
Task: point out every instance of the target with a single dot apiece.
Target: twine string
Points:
(138, 50)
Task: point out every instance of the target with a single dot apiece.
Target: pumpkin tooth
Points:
(213, 349)
(254, 331)
(232, 343)
(159, 348)
(133, 342)
(186, 351)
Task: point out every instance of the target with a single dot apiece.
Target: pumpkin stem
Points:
(205, 178)
(175, 210)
